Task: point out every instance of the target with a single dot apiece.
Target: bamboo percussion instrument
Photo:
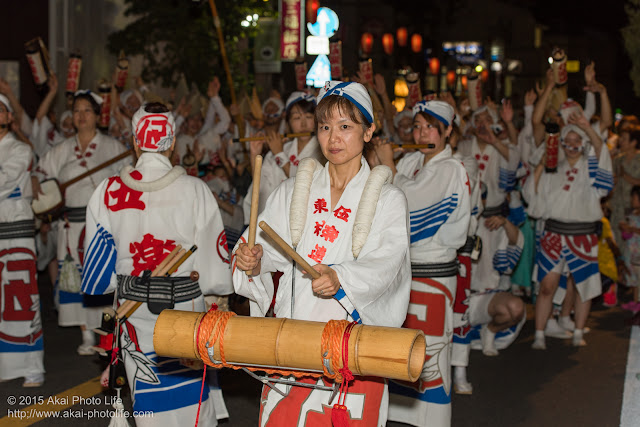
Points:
(413, 146)
(287, 135)
(50, 204)
(289, 250)
(379, 351)
(255, 199)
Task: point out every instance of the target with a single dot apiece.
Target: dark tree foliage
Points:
(178, 36)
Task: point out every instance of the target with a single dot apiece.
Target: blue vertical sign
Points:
(325, 26)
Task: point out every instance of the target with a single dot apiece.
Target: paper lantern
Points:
(366, 42)
(451, 78)
(484, 75)
(387, 43)
(463, 80)
(399, 103)
(434, 66)
(416, 43)
(312, 10)
(402, 36)
(400, 88)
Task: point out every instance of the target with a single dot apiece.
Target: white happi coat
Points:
(44, 136)
(374, 288)
(209, 142)
(64, 162)
(21, 340)
(496, 172)
(272, 174)
(129, 231)
(573, 194)
(438, 194)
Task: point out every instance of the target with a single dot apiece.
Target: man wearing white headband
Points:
(282, 159)
(351, 225)
(569, 201)
(22, 349)
(402, 123)
(134, 221)
(65, 161)
(438, 193)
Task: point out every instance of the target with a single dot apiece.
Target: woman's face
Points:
(67, 127)
(427, 134)
(625, 142)
(342, 139)
(573, 148)
(83, 116)
(635, 201)
(300, 121)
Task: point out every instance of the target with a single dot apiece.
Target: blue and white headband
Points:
(573, 128)
(297, 97)
(437, 109)
(95, 97)
(354, 92)
(278, 103)
(491, 111)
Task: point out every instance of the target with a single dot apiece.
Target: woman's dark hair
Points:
(94, 105)
(635, 191)
(634, 134)
(304, 105)
(343, 106)
(156, 107)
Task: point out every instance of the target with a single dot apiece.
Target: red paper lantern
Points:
(416, 43)
(434, 66)
(312, 7)
(463, 80)
(387, 43)
(484, 75)
(366, 42)
(402, 36)
(451, 78)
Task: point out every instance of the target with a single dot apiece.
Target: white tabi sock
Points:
(578, 340)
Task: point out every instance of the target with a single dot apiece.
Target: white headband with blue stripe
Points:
(437, 109)
(298, 96)
(354, 92)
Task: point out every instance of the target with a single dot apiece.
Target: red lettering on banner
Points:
(435, 305)
(330, 233)
(551, 245)
(148, 253)
(320, 206)
(318, 253)
(342, 213)
(122, 197)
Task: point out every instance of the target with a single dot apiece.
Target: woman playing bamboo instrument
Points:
(353, 225)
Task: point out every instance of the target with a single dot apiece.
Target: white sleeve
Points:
(13, 165)
(589, 105)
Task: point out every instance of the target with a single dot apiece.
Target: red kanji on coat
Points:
(342, 213)
(320, 206)
(330, 233)
(148, 253)
(318, 228)
(318, 253)
(118, 196)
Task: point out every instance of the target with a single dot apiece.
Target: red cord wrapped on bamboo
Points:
(296, 346)
(38, 61)
(122, 72)
(300, 68)
(104, 89)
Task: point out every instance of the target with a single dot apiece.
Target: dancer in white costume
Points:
(21, 340)
(438, 192)
(65, 161)
(353, 225)
(133, 221)
(281, 162)
(569, 201)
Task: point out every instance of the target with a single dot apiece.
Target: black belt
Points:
(445, 269)
(76, 214)
(502, 210)
(572, 228)
(17, 230)
(158, 292)
(467, 248)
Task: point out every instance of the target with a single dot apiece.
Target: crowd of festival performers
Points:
(469, 213)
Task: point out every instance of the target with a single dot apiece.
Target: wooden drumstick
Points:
(289, 250)
(255, 200)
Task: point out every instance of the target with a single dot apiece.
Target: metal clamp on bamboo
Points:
(265, 343)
